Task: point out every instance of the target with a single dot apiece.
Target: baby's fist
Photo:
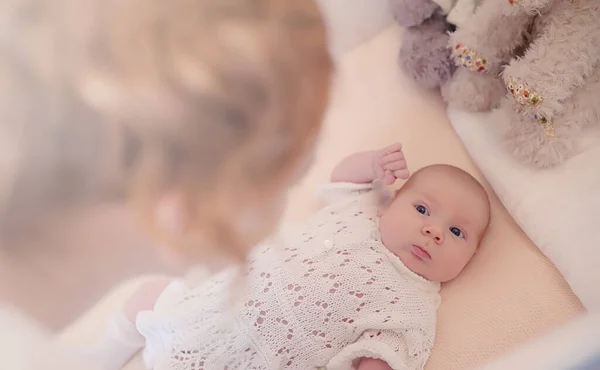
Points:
(389, 164)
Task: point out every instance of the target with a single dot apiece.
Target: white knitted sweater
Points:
(320, 295)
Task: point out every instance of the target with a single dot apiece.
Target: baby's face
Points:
(435, 224)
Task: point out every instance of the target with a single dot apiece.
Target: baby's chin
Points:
(415, 264)
(427, 269)
(433, 274)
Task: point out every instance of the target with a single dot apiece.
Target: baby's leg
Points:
(122, 340)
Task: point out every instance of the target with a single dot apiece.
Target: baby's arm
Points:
(387, 164)
(373, 364)
(399, 348)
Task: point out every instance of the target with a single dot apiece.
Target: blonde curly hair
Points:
(107, 100)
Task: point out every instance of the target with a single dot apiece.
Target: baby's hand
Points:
(389, 164)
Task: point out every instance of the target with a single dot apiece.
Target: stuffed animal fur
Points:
(538, 62)
(424, 55)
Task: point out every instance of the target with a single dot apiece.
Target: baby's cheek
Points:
(464, 257)
(391, 235)
(385, 236)
(456, 262)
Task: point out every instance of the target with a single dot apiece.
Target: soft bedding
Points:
(559, 207)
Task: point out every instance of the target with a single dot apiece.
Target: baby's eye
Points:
(456, 231)
(422, 210)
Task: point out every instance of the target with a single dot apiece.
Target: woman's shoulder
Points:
(25, 345)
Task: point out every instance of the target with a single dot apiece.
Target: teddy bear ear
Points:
(410, 13)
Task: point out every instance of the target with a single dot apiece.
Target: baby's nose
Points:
(434, 232)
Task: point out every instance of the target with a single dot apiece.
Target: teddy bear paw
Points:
(424, 55)
(533, 142)
(473, 91)
(408, 13)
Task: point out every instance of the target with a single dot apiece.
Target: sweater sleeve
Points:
(337, 192)
(405, 349)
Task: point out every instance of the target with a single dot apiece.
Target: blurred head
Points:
(437, 221)
(191, 116)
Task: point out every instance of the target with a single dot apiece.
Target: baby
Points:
(357, 286)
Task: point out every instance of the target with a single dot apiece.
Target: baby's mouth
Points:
(420, 252)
